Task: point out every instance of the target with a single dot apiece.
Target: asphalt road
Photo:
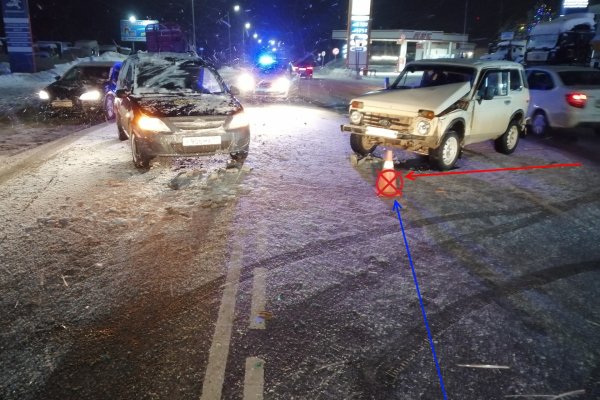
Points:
(290, 278)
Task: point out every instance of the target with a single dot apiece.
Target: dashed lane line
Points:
(254, 379)
(219, 349)
(257, 309)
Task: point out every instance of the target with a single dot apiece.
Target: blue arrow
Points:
(397, 208)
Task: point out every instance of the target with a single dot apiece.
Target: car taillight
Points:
(577, 100)
(309, 68)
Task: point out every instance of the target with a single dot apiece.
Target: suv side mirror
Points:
(488, 92)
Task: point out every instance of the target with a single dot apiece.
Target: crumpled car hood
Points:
(179, 106)
(436, 98)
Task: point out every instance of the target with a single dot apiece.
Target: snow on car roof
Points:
(467, 62)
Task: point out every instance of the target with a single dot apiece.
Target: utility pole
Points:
(193, 27)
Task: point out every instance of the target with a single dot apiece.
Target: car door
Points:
(123, 105)
(543, 97)
(491, 114)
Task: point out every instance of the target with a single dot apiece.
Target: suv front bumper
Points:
(394, 138)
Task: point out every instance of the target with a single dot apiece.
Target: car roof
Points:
(107, 64)
(468, 62)
(162, 55)
(560, 68)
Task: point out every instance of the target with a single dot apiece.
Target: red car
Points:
(304, 69)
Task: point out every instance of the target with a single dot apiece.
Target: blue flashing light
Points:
(266, 60)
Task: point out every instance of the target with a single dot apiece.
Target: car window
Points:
(516, 83)
(175, 76)
(419, 76)
(496, 79)
(78, 73)
(575, 78)
(540, 80)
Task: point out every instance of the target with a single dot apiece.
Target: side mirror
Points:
(234, 90)
(488, 92)
(121, 93)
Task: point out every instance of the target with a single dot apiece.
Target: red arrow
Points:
(412, 176)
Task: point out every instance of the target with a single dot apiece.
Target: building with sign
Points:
(392, 49)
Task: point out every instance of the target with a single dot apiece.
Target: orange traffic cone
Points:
(387, 182)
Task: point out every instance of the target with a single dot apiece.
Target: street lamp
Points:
(236, 8)
(246, 27)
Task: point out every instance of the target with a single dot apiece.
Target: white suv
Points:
(435, 107)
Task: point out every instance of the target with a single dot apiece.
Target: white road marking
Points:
(219, 349)
(254, 379)
(257, 321)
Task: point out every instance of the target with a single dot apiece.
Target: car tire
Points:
(444, 157)
(140, 158)
(507, 143)
(109, 109)
(360, 145)
(539, 125)
(122, 133)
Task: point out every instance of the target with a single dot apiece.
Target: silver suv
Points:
(436, 107)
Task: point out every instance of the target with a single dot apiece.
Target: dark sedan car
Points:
(80, 91)
(174, 104)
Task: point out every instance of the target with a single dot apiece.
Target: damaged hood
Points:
(182, 106)
(410, 101)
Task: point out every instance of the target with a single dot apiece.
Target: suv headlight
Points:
(44, 95)
(356, 117)
(423, 127)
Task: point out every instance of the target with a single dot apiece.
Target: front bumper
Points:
(191, 144)
(394, 138)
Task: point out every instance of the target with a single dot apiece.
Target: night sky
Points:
(304, 26)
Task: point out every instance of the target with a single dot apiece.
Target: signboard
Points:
(358, 33)
(135, 31)
(18, 34)
(507, 36)
(574, 6)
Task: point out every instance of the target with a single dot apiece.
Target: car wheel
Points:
(361, 144)
(122, 133)
(447, 153)
(109, 108)
(507, 143)
(539, 125)
(140, 158)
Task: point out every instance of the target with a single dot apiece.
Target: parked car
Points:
(269, 79)
(80, 91)
(436, 107)
(563, 96)
(175, 104)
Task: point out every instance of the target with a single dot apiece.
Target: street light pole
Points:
(229, 35)
(193, 27)
(244, 29)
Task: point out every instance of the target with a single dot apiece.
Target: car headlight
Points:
(151, 124)
(245, 83)
(239, 120)
(281, 85)
(423, 127)
(44, 95)
(92, 95)
(356, 117)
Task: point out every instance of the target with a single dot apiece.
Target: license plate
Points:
(62, 103)
(201, 140)
(375, 131)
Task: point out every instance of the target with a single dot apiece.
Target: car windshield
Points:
(419, 76)
(94, 73)
(171, 76)
(580, 78)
